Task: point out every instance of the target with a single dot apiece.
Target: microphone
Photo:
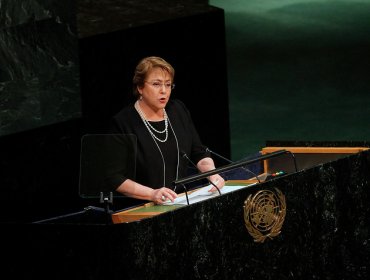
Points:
(229, 161)
(184, 155)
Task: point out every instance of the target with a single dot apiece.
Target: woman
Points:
(165, 133)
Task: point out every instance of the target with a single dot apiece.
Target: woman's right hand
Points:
(159, 196)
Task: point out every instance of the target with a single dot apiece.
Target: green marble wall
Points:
(298, 70)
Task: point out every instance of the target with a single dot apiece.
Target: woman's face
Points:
(157, 89)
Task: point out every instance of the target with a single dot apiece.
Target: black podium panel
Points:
(324, 235)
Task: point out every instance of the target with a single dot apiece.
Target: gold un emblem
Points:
(264, 214)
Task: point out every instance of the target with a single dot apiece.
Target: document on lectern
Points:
(202, 194)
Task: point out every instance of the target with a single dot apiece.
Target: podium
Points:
(324, 233)
(150, 210)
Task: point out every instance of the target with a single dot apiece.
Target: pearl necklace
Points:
(150, 128)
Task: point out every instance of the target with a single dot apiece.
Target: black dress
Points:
(159, 164)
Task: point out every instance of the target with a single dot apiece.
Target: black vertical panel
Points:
(194, 45)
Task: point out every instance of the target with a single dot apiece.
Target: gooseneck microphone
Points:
(184, 155)
(229, 161)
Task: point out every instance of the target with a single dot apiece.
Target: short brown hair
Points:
(144, 66)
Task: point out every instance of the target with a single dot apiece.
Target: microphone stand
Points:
(228, 167)
(107, 200)
(184, 155)
(186, 193)
(229, 161)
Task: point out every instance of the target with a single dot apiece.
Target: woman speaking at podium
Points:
(166, 137)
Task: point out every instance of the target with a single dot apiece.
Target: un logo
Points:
(264, 214)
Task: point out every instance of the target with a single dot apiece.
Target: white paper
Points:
(203, 194)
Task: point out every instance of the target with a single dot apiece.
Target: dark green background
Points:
(297, 70)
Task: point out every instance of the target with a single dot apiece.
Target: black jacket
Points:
(150, 158)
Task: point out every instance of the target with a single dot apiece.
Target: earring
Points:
(141, 97)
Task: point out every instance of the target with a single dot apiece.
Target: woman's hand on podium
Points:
(216, 180)
(163, 194)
